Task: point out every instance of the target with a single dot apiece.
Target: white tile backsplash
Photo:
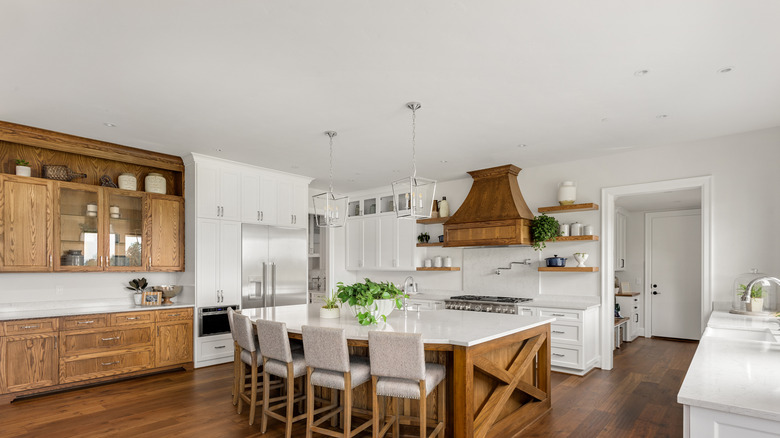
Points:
(479, 273)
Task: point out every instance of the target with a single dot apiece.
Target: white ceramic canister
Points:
(427, 263)
(437, 262)
(127, 181)
(567, 193)
(155, 183)
(448, 262)
(444, 207)
(563, 230)
(576, 229)
(587, 230)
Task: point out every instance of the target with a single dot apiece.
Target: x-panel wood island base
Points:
(42, 355)
(498, 366)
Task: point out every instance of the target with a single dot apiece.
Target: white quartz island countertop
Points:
(453, 327)
(738, 376)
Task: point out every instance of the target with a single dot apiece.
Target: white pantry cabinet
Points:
(218, 263)
(629, 308)
(218, 191)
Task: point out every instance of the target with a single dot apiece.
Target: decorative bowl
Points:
(168, 292)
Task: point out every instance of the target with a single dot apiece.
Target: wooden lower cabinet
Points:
(45, 354)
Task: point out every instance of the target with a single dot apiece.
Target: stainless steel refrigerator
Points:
(274, 261)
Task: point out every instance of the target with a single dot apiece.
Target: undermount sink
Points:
(739, 334)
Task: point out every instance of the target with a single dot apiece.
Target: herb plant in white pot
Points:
(23, 168)
(331, 307)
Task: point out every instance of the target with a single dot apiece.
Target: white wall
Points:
(746, 204)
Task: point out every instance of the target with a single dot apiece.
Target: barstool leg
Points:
(347, 404)
(397, 425)
(253, 390)
(309, 402)
(266, 394)
(443, 406)
(375, 408)
(242, 377)
(290, 399)
(236, 363)
(423, 411)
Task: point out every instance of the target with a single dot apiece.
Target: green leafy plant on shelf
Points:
(544, 228)
(20, 162)
(364, 295)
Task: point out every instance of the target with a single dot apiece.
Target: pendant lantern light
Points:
(414, 196)
(330, 209)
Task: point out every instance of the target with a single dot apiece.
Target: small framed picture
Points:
(150, 298)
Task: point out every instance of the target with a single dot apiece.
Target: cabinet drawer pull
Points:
(261, 216)
(558, 314)
(559, 355)
(109, 339)
(174, 314)
(526, 309)
(85, 322)
(27, 327)
(105, 364)
(558, 332)
(132, 318)
(219, 347)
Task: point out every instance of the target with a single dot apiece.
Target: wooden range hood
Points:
(494, 212)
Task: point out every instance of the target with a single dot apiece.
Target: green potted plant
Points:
(544, 228)
(331, 307)
(137, 285)
(756, 303)
(369, 301)
(23, 168)
(424, 238)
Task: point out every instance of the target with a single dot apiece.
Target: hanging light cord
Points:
(331, 161)
(414, 106)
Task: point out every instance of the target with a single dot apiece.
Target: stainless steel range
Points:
(492, 304)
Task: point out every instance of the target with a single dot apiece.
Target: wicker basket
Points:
(61, 173)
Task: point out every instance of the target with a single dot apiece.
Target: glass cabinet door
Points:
(124, 239)
(79, 226)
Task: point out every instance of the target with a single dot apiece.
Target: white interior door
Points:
(674, 246)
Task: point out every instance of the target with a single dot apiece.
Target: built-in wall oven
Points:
(214, 320)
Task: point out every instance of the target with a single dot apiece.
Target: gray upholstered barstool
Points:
(279, 360)
(328, 364)
(244, 335)
(399, 370)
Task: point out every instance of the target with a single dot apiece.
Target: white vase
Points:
(444, 207)
(581, 257)
(155, 183)
(329, 313)
(567, 193)
(23, 170)
(127, 181)
(137, 298)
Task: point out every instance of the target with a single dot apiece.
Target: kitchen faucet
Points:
(409, 285)
(746, 296)
(524, 262)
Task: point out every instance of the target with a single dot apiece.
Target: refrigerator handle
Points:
(273, 284)
(265, 284)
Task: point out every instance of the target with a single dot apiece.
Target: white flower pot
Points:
(137, 299)
(567, 193)
(23, 170)
(329, 313)
(755, 305)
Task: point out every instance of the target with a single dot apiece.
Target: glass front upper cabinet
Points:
(124, 239)
(80, 223)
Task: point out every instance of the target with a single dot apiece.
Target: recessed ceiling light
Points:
(295, 166)
(522, 145)
(725, 69)
(661, 116)
(110, 125)
(218, 149)
(641, 72)
(605, 119)
(443, 161)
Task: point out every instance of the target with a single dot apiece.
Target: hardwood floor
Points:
(636, 399)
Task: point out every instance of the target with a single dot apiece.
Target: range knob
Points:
(477, 307)
(488, 308)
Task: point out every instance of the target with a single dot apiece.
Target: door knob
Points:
(655, 285)
(655, 292)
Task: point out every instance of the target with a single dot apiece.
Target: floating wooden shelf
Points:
(419, 245)
(433, 220)
(439, 269)
(574, 238)
(565, 208)
(574, 269)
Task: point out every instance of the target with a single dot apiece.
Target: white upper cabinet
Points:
(284, 203)
(268, 197)
(370, 243)
(388, 257)
(270, 200)
(218, 192)
(354, 245)
(250, 197)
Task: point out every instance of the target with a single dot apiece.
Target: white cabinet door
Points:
(250, 198)
(230, 194)
(370, 243)
(354, 244)
(268, 197)
(301, 202)
(207, 186)
(207, 274)
(407, 244)
(620, 241)
(388, 247)
(284, 203)
(229, 263)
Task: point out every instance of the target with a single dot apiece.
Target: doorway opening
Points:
(674, 217)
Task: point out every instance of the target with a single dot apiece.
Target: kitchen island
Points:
(498, 366)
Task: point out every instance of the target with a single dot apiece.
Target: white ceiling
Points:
(675, 200)
(261, 80)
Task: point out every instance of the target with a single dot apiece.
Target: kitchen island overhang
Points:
(498, 366)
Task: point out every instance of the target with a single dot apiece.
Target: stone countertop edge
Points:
(53, 313)
(560, 301)
(735, 376)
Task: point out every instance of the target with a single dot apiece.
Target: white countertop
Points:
(452, 327)
(86, 310)
(557, 301)
(735, 376)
